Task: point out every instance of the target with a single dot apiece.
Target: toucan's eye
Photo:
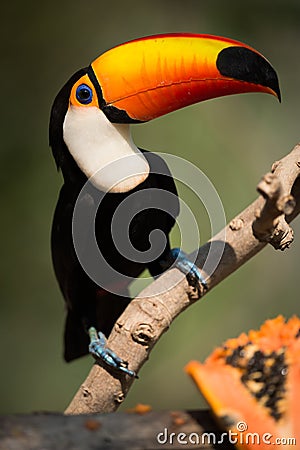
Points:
(84, 94)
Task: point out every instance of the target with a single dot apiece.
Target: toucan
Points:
(104, 171)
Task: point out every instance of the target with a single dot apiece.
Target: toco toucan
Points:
(103, 169)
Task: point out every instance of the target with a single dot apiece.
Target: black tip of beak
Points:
(246, 65)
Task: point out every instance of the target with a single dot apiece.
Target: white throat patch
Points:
(104, 151)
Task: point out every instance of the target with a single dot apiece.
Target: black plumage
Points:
(87, 303)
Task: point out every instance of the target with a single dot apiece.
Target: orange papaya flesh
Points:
(255, 380)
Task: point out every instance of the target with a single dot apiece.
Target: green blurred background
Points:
(234, 140)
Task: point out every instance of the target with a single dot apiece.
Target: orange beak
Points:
(149, 77)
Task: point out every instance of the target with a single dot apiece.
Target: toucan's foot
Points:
(192, 272)
(99, 350)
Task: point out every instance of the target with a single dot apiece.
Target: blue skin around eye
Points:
(84, 87)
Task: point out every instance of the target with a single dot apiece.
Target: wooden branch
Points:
(154, 430)
(270, 224)
(148, 317)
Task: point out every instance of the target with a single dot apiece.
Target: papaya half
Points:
(252, 384)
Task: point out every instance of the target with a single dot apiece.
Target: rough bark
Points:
(112, 431)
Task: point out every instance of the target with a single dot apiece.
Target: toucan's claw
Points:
(99, 350)
(180, 259)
